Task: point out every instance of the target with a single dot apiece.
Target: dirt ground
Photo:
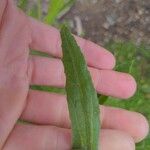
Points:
(106, 20)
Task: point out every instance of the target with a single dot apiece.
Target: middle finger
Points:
(50, 71)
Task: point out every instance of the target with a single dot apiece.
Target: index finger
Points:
(47, 39)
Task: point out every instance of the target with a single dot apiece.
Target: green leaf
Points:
(102, 99)
(56, 7)
(33, 12)
(22, 4)
(81, 96)
(36, 10)
(48, 89)
(39, 53)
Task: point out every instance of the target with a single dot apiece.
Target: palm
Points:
(48, 112)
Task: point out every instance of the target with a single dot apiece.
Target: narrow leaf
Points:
(102, 99)
(81, 96)
(56, 9)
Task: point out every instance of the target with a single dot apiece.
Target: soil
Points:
(106, 20)
(109, 20)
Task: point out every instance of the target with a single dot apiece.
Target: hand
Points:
(48, 113)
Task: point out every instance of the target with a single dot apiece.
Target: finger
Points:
(13, 74)
(46, 38)
(51, 72)
(33, 137)
(51, 109)
(116, 140)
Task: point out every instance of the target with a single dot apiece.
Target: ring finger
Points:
(50, 71)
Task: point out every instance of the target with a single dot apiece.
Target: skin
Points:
(47, 112)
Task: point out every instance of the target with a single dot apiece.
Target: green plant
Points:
(81, 96)
(136, 61)
(23, 4)
(56, 8)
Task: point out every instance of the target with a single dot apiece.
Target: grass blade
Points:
(56, 7)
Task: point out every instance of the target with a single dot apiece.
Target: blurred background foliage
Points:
(131, 58)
